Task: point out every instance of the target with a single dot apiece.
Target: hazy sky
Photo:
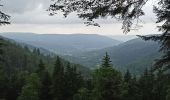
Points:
(31, 16)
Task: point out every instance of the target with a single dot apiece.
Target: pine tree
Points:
(131, 91)
(41, 68)
(160, 86)
(45, 80)
(107, 82)
(30, 91)
(58, 81)
(16, 80)
(83, 94)
(45, 89)
(168, 94)
(106, 61)
(127, 77)
(147, 82)
(73, 81)
(3, 82)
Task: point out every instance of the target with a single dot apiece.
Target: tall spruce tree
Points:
(45, 89)
(45, 80)
(106, 61)
(147, 82)
(107, 82)
(127, 77)
(168, 94)
(83, 94)
(73, 82)
(131, 90)
(160, 86)
(58, 81)
(16, 80)
(3, 82)
(30, 90)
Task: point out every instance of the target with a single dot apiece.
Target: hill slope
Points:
(135, 55)
(17, 57)
(64, 44)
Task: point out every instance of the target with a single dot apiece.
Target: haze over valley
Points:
(133, 53)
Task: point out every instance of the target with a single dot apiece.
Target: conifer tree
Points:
(45, 80)
(58, 81)
(106, 61)
(127, 76)
(82, 94)
(3, 83)
(147, 82)
(15, 82)
(131, 91)
(73, 81)
(30, 91)
(160, 86)
(45, 89)
(107, 82)
(41, 68)
(168, 94)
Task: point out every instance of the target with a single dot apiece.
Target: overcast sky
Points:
(31, 16)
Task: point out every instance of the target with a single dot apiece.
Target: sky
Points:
(31, 16)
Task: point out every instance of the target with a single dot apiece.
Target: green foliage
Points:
(106, 61)
(135, 55)
(168, 94)
(65, 82)
(146, 85)
(3, 80)
(73, 81)
(107, 82)
(45, 79)
(160, 85)
(16, 57)
(58, 81)
(15, 82)
(83, 94)
(130, 88)
(31, 89)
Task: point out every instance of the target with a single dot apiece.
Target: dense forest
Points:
(27, 74)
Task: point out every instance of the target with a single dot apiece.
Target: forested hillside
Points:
(135, 55)
(19, 56)
(27, 75)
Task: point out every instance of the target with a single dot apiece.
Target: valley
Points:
(87, 50)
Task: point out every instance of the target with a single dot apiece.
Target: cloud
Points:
(32, 14)
(22, 6)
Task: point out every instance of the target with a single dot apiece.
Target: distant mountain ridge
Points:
(64, 44)
(89, 49)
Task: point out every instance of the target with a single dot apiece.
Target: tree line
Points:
(65, 82)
